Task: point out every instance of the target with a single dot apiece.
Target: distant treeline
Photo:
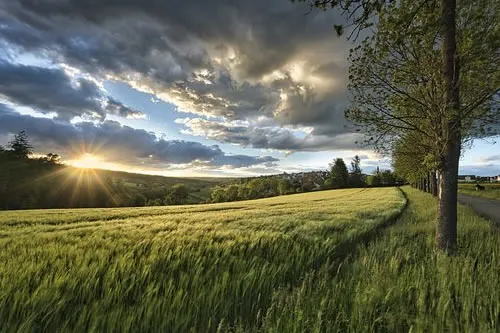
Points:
(29, 182)
(338, 176)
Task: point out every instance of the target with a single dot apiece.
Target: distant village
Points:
(478, 179)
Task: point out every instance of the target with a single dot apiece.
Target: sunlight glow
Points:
(87, 161)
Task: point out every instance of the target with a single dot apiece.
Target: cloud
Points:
(489, 169)
(492, 158)
(52, 90)
(266, 137)
(118, 143)
(238, 60)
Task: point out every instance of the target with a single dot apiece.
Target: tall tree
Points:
(338, 174)
(449, 117)
(20, 146)
(398, 91)
(356, 176)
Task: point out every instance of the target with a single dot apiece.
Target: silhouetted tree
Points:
(356, 176)
(20, 146)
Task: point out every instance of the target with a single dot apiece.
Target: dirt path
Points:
(488, 208)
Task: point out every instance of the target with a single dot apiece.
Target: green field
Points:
(315, 262)
(492, 190)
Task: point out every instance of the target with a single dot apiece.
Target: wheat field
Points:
(201, 268)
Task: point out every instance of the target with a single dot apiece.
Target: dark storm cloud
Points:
(117, 143)
(267, 137)
(51, 90)
(218, 58)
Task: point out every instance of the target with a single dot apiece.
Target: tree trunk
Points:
(434, 184)
(446, 235)
(429, 182)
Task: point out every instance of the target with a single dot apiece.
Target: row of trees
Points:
(340, 177)
(424, 84)
(337, 177)
(259, 187)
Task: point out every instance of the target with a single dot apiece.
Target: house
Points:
(466, 178)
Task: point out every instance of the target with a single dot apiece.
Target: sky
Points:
(184, 88)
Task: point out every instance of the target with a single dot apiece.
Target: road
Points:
(488, 208)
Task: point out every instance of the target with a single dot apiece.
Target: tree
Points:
(177, 195)
(338, 174)
(232, 192)
(356, 176)
(450, 120)
(51, 158)
(373, 180)
(284, 186)
(218, 194)
(411, 161)
(20, 146)
(386, 177)
(399, 86)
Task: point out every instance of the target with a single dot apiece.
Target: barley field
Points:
(316, 262)
(202, 268)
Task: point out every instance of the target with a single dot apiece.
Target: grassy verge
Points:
(175, 269)
(397, 283)
(491, 191)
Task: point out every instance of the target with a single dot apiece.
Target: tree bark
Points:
(429, 182)
(446, 235)
(434, 184)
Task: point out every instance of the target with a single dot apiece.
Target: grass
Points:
(492, 190)
(285, 264)
(196, 268)
(397, 283)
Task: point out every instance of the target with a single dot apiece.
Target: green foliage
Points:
(387, 177)
(176, 269)
(20, 146)
(338, 174)
(397, 80)
(373, 180)
(328, 183)
(264, 187)
(178, 194)
(356, 175)
(284, 186)
(154, 202)
(218, 194)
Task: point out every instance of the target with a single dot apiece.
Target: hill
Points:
(27, 183)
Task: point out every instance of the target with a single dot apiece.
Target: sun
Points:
(87, 161)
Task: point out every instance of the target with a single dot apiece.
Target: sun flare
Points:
(87, 161)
